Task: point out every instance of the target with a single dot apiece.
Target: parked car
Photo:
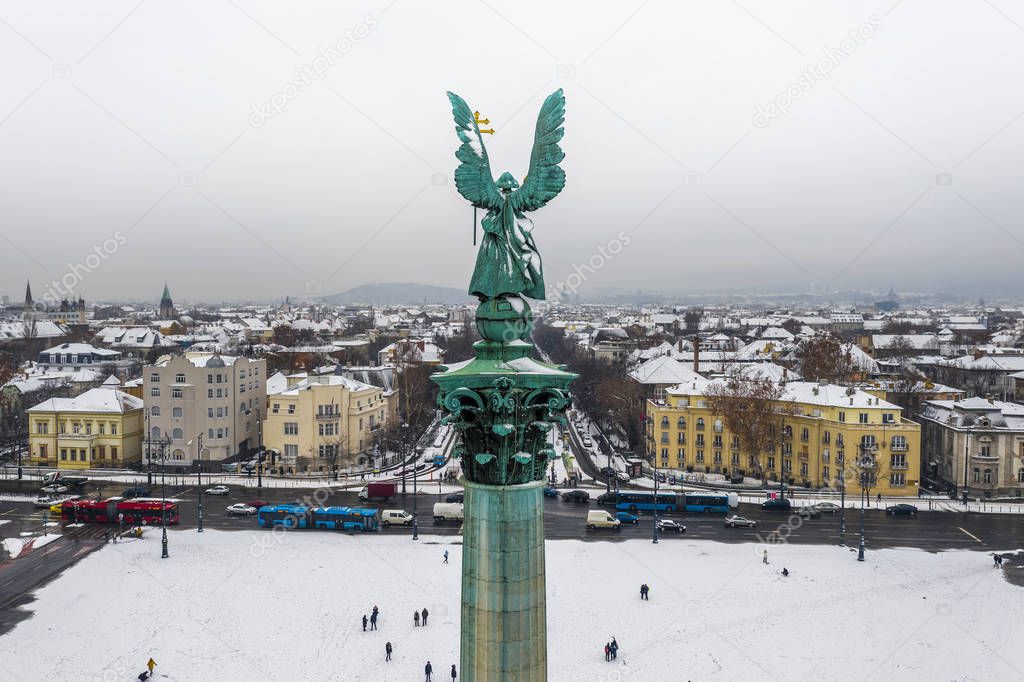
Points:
(455, 497)
(901, 509)
(576, 496)
(670, 526)
(587, 442)
(828, 507)
(135, 491)
(54, 488)
(600, 518)
(809, 512)
(742, 521)
(626, 517)
(395, 517)
(777, 504)
(242, 509)
(217, 490)
(550, 492)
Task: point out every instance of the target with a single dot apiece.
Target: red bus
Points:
(132, 512)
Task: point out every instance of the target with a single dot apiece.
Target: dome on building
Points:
(215, 361)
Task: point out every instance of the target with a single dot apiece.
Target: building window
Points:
(154, 392)
(681, 423)
(805, 435)
(209, 393)
(718, 426)
(681, 454)
(220, 378)
(700, 423)
(291, 409)
(825, 475)
(898, 461)
(700, 456)
(155, 411)
(824, 455)
(700, 440)
(664, 437)
(1020, 475)
(664, 422)
(986, 450)
(113, 428)
(113, 452)
(888, 418)
(42, 427)
(717, 441)
(988, 476)
(827, 438)
(42, 451)
(103, 428)
(177, 412)
(276, 407)
(64, 453)
(718, 456)
(842, 416)
(735, 459)
(209, 378)
(803, 469)
(976, 475)
(771, 463)
(863, 417)
(897, 480)
(177, 434)
(154, 378)
(681, 439)
(179, 378)
(291, 428)
(176, 393)
(899, 442)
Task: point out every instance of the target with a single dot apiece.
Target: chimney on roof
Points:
(696, 354)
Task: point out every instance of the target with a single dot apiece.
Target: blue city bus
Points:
(344, 518)
(642, 501)
(285, 515)
(439, 460)
(707, 502)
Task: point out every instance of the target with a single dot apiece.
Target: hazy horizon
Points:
(137, 138)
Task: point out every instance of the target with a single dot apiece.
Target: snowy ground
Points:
(263, 606)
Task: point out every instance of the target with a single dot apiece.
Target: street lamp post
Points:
(967, 456)
(866, 466)
(163, 500)
(842, 498)
(17, 444)
(401, 443)
(654, 464)
(259, 453)
(415, 524)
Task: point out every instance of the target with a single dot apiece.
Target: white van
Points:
(447, 511)
(601, 518)
(395, 517)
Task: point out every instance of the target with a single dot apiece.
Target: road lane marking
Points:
(971, 535)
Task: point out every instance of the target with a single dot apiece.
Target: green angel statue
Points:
(508, 261)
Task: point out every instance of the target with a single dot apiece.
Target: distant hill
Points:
(395, 293)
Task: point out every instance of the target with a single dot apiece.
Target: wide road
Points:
(932, 531)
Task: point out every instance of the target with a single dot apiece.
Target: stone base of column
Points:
(504, 618)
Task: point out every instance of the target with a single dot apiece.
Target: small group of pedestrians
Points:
(420, 617)
(645, 591)
(372, 620)
(611, 650)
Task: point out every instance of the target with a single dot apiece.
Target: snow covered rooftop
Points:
(101, 399)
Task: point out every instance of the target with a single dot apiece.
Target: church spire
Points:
(28, 294)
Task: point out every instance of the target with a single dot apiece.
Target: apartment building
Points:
(204, 400)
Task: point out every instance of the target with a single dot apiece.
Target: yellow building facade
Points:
(101, 428)
(323, 421)
(830, 426)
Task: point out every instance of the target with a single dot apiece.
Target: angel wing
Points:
(545, 179)
(473, 176)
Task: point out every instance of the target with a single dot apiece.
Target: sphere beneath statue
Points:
(505, 318)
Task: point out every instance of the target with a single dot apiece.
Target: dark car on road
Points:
(670, 526)
(576, 496)
(455, 497)
(808, 512)
(135, 491)
(901, 509)
(607, 499)
(257, 503)
(778, 504)
(550, 492)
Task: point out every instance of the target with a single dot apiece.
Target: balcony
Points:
(899, 447)
(984, 458)
(899, 466)
(332, 417)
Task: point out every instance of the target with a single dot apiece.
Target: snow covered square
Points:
(269, 606)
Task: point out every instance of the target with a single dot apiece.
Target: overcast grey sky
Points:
(134, 122)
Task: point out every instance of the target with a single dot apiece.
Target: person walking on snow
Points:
(607, 651)
(364, 622)
(454, 675)
(387, 652)
(415, 619)
(425, 614)
(765, 558)
(428, 669)
(373, 621)
(614, 649)
(446, 556)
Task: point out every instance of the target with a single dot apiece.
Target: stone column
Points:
(504, 617)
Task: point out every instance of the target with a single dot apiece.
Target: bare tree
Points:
(823, 357)
(754, 411)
